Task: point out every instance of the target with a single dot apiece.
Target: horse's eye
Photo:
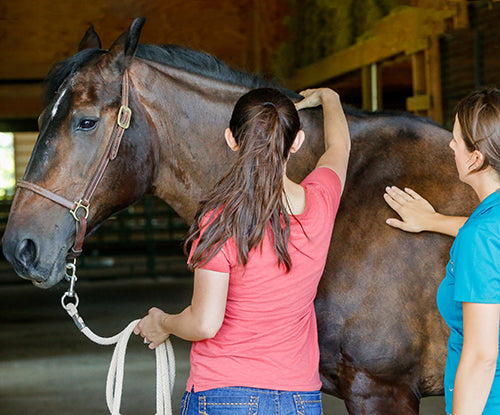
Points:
(87, 125)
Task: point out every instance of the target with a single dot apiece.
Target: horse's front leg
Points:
(369, 396)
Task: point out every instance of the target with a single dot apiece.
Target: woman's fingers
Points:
(137, 328)
(392, 202)
(150, 328)
(416, 212)
(396, 223)
(312, 98)
(398, 194)
(413, 194)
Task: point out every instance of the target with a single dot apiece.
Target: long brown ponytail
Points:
(248, 201)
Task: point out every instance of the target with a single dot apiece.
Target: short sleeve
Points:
(221, 261)
(476, 265)
(329, 184)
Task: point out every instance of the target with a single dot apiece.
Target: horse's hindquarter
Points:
(377, 314)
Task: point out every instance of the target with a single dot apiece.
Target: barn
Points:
(419, 56)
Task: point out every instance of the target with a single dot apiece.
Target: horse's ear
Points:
(90, 40)
(123, 49)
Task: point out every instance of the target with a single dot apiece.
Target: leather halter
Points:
(80, 209)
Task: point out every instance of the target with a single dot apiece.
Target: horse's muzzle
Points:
(23, 256)
(26, 253)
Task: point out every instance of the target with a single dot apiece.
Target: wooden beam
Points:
(405, 31)
(418, 103)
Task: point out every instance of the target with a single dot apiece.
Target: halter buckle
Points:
(79, 205)
(124, 117)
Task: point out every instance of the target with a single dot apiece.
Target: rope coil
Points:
(165, 364)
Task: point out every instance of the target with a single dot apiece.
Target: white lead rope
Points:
(165, 362)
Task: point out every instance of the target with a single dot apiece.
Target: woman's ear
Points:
(476, 161)
(231, 142)
(297, 143)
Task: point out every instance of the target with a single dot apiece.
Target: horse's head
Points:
(83, 99)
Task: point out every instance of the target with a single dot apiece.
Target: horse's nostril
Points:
(26, 253)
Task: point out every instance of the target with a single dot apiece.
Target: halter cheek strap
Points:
(80, 209)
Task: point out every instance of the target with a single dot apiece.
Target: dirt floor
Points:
(47, 367)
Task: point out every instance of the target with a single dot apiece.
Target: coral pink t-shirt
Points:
(268, 338)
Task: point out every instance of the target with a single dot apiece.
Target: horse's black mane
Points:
(193, 61)
(177, 56)
(200, 63)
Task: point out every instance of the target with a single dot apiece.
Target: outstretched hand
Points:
(416, 212)
(316, 97)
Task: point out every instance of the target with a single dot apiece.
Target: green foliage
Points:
(319, 28)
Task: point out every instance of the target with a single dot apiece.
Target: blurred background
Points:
(412, 55)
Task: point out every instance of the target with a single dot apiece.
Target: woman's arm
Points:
(478, 361)
(201, 320)
(337, 138)
(418, 215)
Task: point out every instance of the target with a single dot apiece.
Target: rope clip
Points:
(72, 278)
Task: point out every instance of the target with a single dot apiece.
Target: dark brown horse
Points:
(383, 343)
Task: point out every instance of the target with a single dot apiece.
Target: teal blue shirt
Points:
(472, 276)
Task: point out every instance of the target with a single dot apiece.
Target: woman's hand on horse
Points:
(415, 211)
(151, 328)
(316, 97)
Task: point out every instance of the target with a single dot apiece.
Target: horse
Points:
(140, 119)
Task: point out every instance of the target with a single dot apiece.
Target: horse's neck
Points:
(188, 116)
(189, 113)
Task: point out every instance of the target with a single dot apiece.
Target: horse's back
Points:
(376, 302)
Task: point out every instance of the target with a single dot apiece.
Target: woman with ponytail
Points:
(258, 248)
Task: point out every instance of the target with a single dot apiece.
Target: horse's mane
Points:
(177, 56)
(200, 63)
(196, 62)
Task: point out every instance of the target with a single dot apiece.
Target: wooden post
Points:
(426, 76)
(461, 19)
(371, 87)
(418, 103)
(433, 79)
(418, 73)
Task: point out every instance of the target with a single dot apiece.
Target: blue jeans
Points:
(250, 401)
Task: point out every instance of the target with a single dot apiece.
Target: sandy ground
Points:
(47, 367)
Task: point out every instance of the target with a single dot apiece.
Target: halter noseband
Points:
(80, 209)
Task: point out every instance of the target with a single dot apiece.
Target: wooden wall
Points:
(35, 34)
(487, 23)
(470, 58)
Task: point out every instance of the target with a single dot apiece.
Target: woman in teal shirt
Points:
(469, 296)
